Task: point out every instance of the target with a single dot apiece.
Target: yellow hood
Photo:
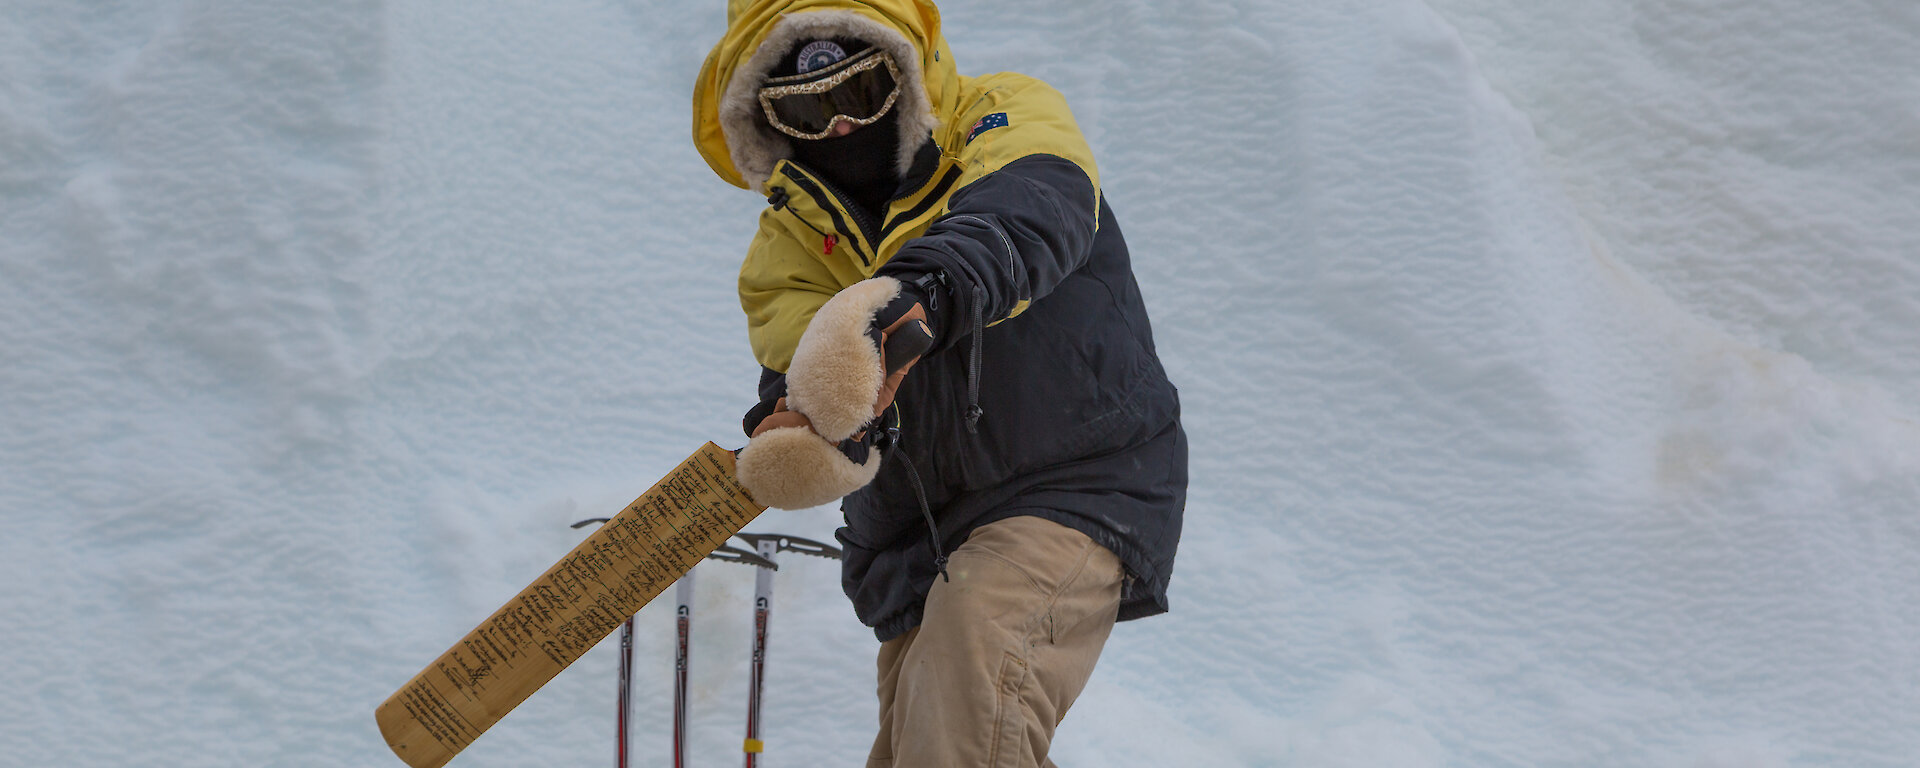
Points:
(728, 128)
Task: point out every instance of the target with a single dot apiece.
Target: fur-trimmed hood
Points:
(728, 126)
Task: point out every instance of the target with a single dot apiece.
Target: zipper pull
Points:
(778, 199)
(830, 243)
(932, 285)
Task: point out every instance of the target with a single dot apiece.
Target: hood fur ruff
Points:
(756, 146)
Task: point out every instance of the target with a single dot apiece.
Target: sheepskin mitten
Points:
(786, 465)
(840, 378)
(814, 446)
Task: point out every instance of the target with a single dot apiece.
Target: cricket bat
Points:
(568, 610)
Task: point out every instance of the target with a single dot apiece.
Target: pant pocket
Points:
(1010, 714)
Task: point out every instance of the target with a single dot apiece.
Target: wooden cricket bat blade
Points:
(572, 607)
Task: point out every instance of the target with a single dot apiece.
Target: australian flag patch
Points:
(988, 123)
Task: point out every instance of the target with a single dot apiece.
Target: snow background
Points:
(1549, 367)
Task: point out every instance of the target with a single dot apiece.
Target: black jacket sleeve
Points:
(773, 386)
(1008, 237)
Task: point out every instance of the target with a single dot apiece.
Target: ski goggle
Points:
(858, 90)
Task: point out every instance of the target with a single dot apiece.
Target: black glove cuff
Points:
(927, 290)
(773, 386)
(856, 449)
(757, 414)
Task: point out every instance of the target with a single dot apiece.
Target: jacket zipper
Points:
(830, 200)
(779, 201)
(861, 219)
(833, 201)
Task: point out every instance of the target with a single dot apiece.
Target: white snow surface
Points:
(1549, 369)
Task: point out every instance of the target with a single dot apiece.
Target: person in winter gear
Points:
(954, 346)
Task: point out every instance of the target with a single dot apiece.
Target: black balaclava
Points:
(860, 164)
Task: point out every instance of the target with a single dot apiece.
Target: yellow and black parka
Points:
(1044, 395)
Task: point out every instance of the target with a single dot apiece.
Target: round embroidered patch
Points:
(818, 54)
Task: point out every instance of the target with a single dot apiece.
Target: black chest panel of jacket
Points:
(1078, 424)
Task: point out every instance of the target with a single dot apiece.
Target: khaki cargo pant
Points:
(1003, 650)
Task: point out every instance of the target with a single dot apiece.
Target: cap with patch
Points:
(818, 54)
(814, 55)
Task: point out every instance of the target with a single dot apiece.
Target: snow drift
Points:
(1548, 371)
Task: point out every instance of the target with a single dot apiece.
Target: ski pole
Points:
(683, 621)
(623, 734)
(767, 544)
